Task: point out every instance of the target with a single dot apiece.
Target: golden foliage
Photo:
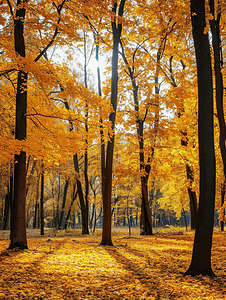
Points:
(136, 268)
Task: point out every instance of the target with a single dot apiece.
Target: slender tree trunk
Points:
(84, 207)
(6, 211)
(192, 198)
(101, 119)
(146, 220)
(86, 149)
(201, 257)
(18, 235)
(128, 216)
(218, 66)
(222, 205)
(69, 211)
(185, 219)
(30, 177)
(116, 30)
(36, 216)
(63, 204)
(84, 204)
(8, 204)
(42, 201)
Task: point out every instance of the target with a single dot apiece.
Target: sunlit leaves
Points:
(77, 267)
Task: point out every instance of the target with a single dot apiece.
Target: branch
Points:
(59, 8)
(10, 8)
(126, 61)
(139, 46)
(5, 72)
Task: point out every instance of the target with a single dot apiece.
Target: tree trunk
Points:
(69, 211)
(36, 215)
(218, 66)
(84, 204)
(146, 220)
(63, 204)
(18, 235)
(101, 119)
(30, 177)
(222, 205)
(42, 202)
(84, 207)
(86, 149)
(8, 204)
(116, 30)
(201, 257)
(192, 198)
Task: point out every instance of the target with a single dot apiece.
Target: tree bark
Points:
(201, 257)
(192, 198)
(69, 211)
(8, 204)
(84, 207)
(116, 30)
(219, 95)
(18, 235)
(101, 119)
(86, 211)
(63, 204)
(42, 202)
(222, 205)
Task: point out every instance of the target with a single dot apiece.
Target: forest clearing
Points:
(75, 266)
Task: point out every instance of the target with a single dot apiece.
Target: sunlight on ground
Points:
(137, 267)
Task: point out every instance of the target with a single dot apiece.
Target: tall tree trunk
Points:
(189, 170)
(222, 206)
(101, 119)
(63, 204)
(116, 30)
(201, 257)
(84, 204)
(86, 142)
(18, 235)
(218, 66)
(42, 201)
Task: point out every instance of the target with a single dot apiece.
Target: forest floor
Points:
(67, 265)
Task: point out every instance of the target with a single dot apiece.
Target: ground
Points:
(71, 266)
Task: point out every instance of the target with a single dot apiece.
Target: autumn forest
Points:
(112, 149)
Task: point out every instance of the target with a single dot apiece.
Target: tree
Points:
(18, 225)
(201, 256)
(219, 94)
(18, 237)
(42, 201)
(116, 31)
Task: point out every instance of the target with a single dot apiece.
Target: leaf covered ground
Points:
(137, 267)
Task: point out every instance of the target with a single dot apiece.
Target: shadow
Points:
(138, 273)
